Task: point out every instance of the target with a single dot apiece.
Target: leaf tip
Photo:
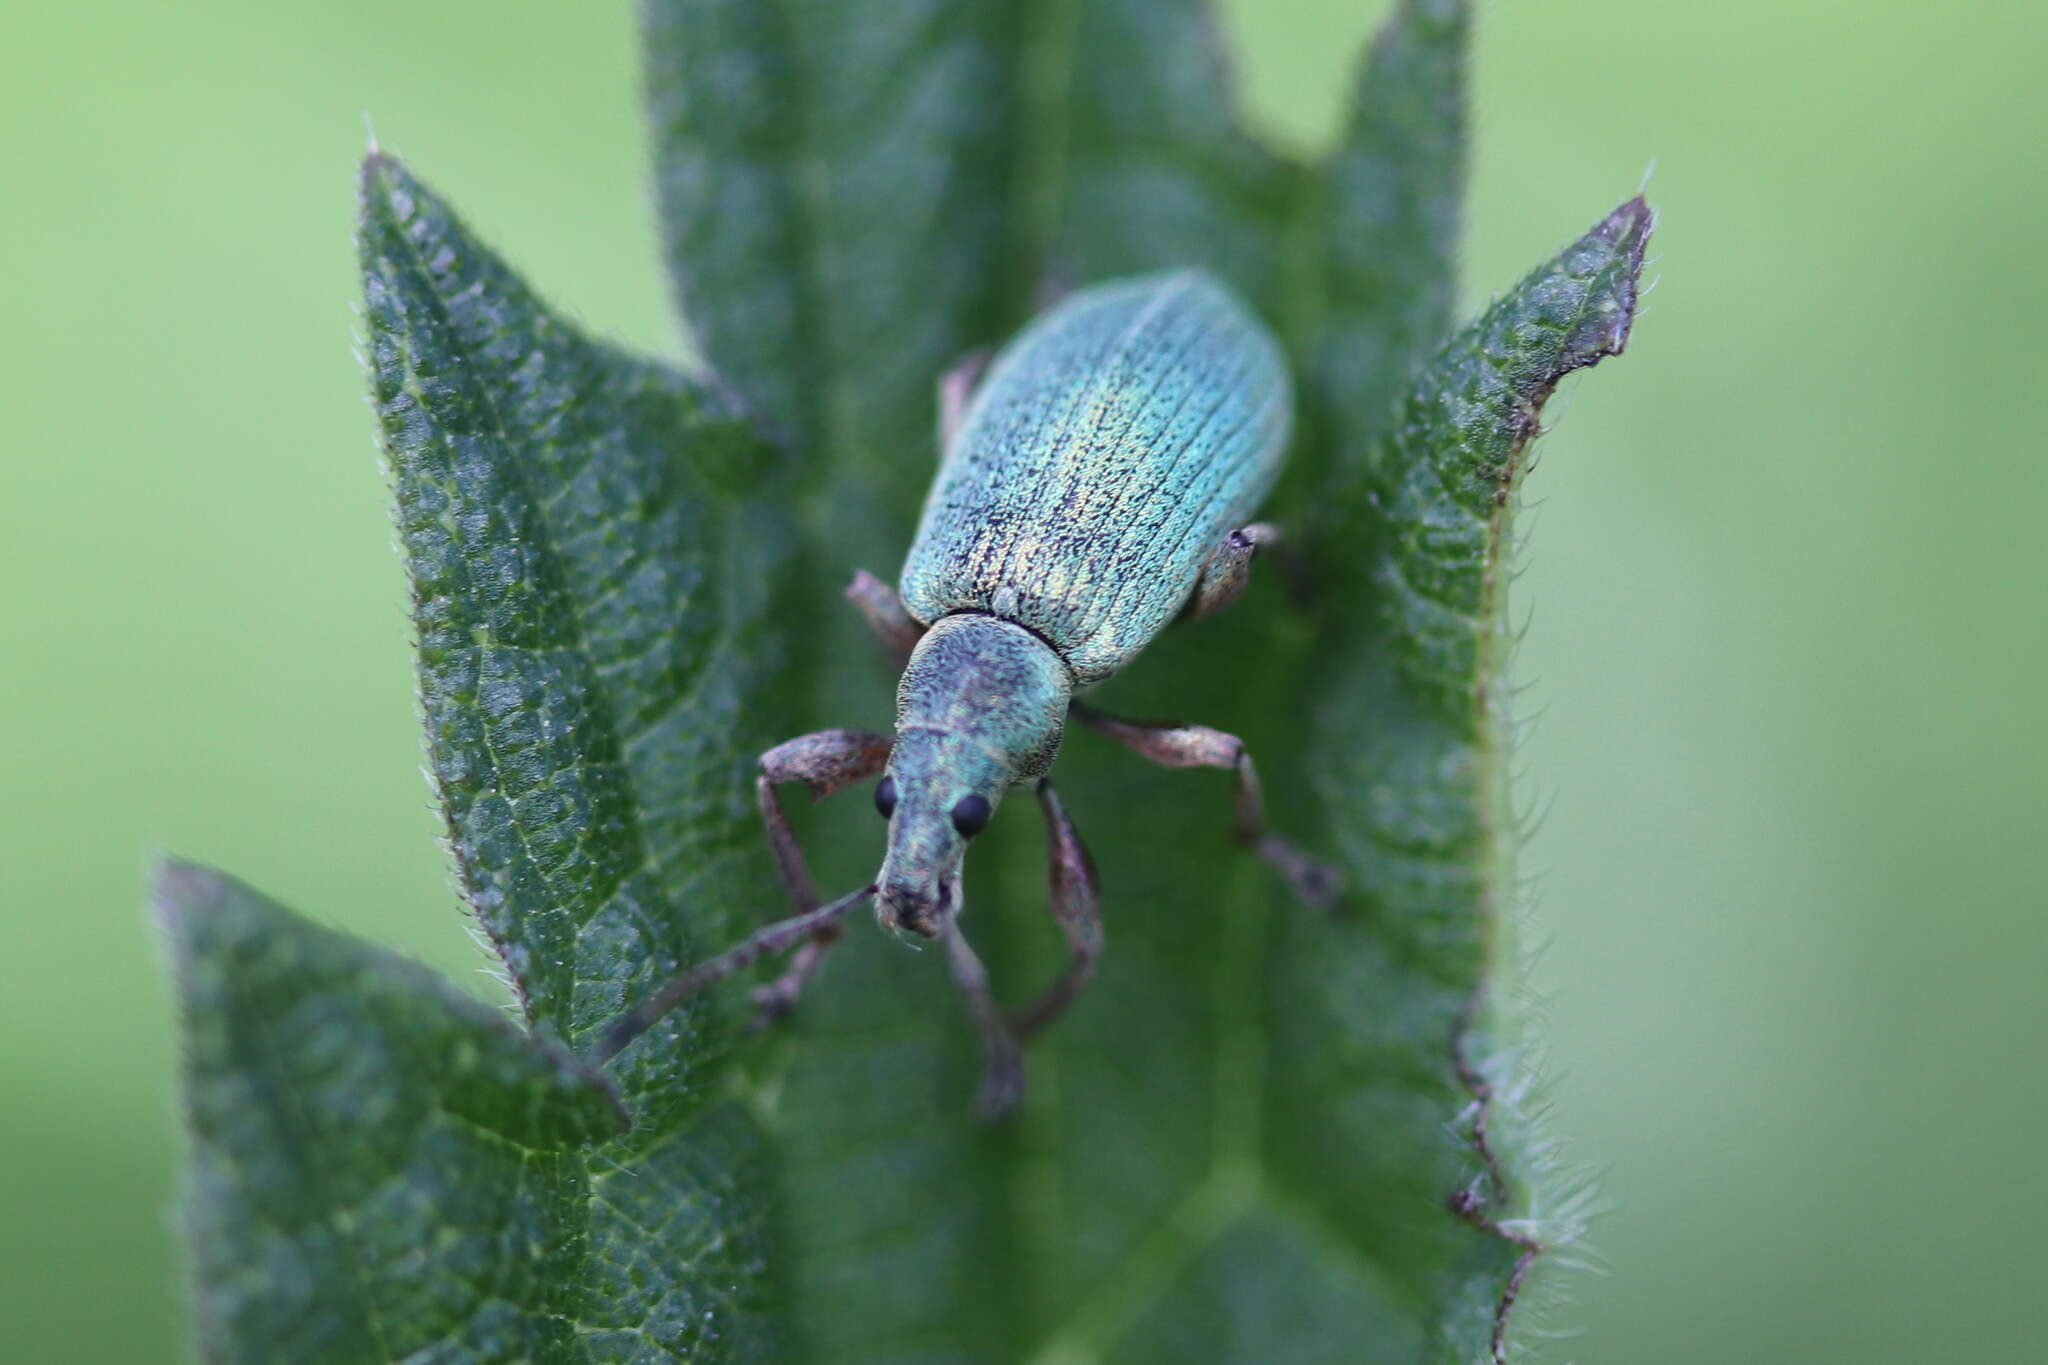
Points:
(177, 886)
(384, 187)
(197, 911)
(1627, 231)
(1609, 262)
(377, 164)
(1440, 14)
(1632, 221)
(182, 894)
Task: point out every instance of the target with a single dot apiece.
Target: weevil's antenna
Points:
(777, 937)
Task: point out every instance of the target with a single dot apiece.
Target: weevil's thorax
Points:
(981, 709)
(988, 687)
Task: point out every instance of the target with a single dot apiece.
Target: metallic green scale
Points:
(1101, 463)
(1095, 488)
(1112, 445)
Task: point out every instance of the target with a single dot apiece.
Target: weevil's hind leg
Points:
(956, 387)
(825, 762)
(1198, 746)
(1228, 569)
(1076, 904)
(1002, 1081)
(885, 614)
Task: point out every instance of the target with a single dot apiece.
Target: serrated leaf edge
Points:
(1633, 219)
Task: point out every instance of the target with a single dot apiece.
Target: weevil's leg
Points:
(1228, 569)
(777, 1000)
(885, 614)
(824, 762)
(774, 938)
(1076, 904)
(956, 387)
(1002, 1081)
(1198, 746)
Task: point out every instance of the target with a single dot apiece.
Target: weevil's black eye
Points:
(885, 797)
(970, 815)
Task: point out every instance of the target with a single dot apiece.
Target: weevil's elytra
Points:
(1096, 485)
(1110, 449)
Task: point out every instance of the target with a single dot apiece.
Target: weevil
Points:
(1094, 486)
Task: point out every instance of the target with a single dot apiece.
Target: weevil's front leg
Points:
(1002, 1080)
(1228, 569)
(1198, 746)
(1076, 904)
(885, 614)
(778, 937)
(956, 387)
(825, 762)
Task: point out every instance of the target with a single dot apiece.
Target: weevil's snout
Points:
(980, 708)
(920, 877)
(921, 908)
(938, 794)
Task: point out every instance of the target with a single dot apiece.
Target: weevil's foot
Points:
(1315, 884)
(774, 1003)
(1002, 1081)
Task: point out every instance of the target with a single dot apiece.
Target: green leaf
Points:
(834, 180)
(595, 547)
(1399, 1022)
(1142, 160)
(593, 544)
(1254, 1139)
(1386, 224)
(382, 1168)
(855, 195)
(1265, 1133)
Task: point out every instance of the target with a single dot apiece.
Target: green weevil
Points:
(1096, 486)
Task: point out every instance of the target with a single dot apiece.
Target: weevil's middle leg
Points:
(1228, 569)
(1002, 1082)
(1076, 904)
(825, 762)
(1198, 746)
(885, 614)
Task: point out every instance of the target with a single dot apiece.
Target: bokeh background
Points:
(1785, 583)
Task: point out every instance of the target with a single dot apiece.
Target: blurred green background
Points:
(1784, 581)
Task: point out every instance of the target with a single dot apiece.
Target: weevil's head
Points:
(980, 710)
